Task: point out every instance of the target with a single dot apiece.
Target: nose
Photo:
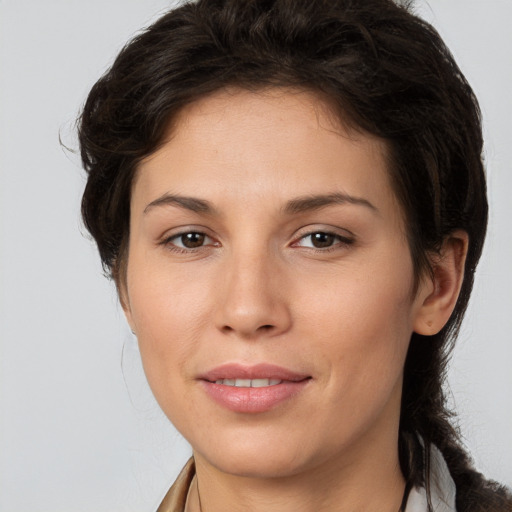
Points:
(253, 300)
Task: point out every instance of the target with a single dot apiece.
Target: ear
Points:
(438, 295)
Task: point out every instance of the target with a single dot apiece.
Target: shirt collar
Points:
(440, 488)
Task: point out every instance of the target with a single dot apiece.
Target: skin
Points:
(257, 290)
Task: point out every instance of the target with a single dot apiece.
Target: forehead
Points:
(271, 144)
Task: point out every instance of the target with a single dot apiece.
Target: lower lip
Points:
(253, 400)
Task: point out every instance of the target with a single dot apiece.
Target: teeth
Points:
(260, 383)
(248, 383)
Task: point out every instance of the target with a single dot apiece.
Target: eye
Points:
(189, 240)
(322, 240)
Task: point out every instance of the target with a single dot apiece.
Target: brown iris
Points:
(322, 240)
(192, 240)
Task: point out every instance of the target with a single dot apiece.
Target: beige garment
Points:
(176, 497)
(442, 489)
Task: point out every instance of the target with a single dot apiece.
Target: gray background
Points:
(79, 430)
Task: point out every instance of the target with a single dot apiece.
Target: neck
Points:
(368, 479)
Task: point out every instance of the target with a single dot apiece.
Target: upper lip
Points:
(257, 371)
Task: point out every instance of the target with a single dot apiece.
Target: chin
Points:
(261, 454)
(258, 464)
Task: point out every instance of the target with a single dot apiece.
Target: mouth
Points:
(252, 389)
(249, 383)
(258, 375)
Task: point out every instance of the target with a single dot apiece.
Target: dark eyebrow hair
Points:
(189, 203)
(294, 206)
(315, 202)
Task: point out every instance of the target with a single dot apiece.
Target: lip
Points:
(249, 399)
(257, 371)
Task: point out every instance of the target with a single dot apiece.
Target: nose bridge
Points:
(252, 301)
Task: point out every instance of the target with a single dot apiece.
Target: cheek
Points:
(169, 311)
(362, 324)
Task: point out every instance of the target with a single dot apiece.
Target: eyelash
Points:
(169, 242)
(340, 241)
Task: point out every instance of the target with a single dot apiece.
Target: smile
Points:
(252, 389)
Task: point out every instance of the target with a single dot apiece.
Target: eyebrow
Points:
(316, 202)
(294, 206)
(189, 203)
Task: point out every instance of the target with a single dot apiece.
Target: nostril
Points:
(261, 328)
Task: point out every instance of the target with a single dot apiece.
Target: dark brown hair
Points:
(385, 72)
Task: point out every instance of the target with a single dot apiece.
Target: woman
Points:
(290, 198)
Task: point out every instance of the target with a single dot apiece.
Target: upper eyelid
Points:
(174, 236)
(187, 232)
(341, 239)
(183, 230)
(178, 235)
(338, 235)
(336, 231)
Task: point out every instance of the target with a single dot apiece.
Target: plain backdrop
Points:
(79, 430)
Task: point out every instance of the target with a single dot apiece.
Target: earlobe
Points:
(439, 296)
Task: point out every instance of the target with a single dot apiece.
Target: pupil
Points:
(192, 240)
(322, 240)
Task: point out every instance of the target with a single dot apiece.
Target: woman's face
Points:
(269, 283)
